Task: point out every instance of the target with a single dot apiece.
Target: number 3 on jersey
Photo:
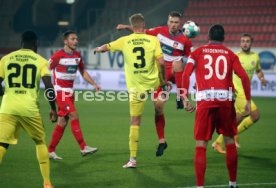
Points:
(219, 61)
(140, 57)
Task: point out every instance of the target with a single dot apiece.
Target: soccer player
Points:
(65, 64)
(21, 71)
(175, 47)
(250, 61)
(214, 65)
(142, 58)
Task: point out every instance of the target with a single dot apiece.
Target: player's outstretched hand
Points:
(120, 27)
(97, 87)
(97, 50)
(53, 116)
(167, 87)
(188, 106)
(263, 81)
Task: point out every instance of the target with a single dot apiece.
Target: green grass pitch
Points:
(106, 125)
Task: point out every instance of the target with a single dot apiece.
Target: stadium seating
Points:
(238, 16)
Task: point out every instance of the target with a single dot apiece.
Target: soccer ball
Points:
(191, 29)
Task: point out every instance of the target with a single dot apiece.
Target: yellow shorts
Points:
(137, 102)
(11, 124)
(240, 104)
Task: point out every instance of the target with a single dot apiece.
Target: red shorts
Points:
(223, 119)
(169, 72)
(65, 103)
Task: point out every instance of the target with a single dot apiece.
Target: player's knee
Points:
(255, 115)
(73, 116)
(39, 141)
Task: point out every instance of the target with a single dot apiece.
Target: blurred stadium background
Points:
(95, 22)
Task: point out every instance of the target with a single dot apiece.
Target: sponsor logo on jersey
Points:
(71, 69)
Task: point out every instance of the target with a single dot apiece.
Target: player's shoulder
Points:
(77, 53)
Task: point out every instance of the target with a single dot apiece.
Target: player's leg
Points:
(178, 68)
(159, 104)
(227, 125)
(3, 150)
(204, 128)
(136, 107)
(56, 137)
(58, 132)
(35, 129)
(249, 120)
(77, 132)
(9, 132)
(246, 121)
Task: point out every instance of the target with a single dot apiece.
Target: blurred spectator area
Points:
(257, 17)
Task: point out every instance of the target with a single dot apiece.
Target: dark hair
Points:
(175, 14)
(248, 35)
(67, 33)
(216, 33)
(29, 38)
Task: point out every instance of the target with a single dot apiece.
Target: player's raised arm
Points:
(101, 49)
(124, 27)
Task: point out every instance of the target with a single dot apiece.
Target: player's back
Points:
(22, 71)
(214, 69)
(140, 53)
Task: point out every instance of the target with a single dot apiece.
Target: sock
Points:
(56, 136)
(2, 153)
(245, 124)
(178, 81)
(160, 126)
(133, 140)
(219, 140)
(231, 161)
(200, 165)
(75, 128)
(44, 163)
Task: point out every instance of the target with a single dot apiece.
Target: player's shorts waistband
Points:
(211, 94)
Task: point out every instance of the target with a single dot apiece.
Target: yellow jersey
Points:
(140, 53)
(22, 71)
(251, 63)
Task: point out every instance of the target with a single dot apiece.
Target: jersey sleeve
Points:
(187, 73)
(81, 65)
(258, 65)
(54, 60)
(153, 31)
(187, 48)
(45, 69)
(116, 45)
(2, 72)
(158, 50)
(240, 72)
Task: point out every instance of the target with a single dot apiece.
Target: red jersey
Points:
(214, 65)
(174, 47)
(65, 66)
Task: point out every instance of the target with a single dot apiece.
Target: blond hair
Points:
(137, 20)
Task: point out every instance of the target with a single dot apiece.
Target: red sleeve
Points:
(54, 60)
(153, 31)
(186, 76)
(238, 69)
(187, 48)
(81, 65)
